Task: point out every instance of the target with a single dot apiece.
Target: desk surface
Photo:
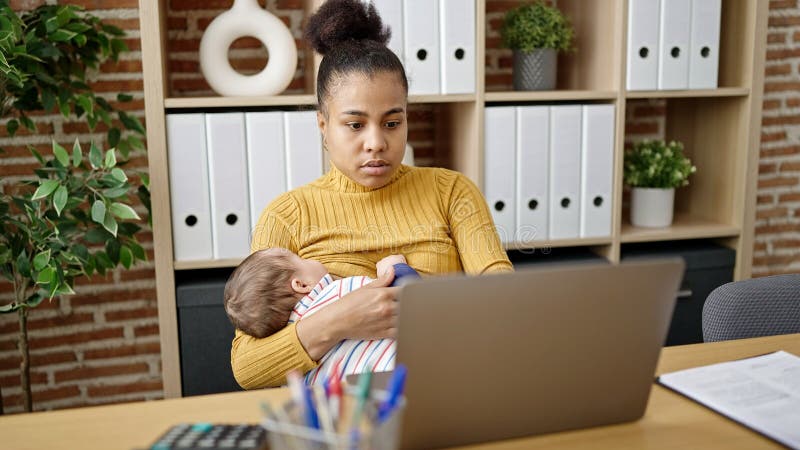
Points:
(671, 421)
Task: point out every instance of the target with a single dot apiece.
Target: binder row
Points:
(673, 44)
(561, 158)
(435, 40)
(224, 168)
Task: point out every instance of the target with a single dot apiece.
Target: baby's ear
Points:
(300, 287)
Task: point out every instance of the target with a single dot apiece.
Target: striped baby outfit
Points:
(376, 355)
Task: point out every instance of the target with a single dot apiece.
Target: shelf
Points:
(452, 98)
(558, 243)
(207, 264)
(289, 100)
(540, 96)
(721, 92)
(684, 226)
(235, 102)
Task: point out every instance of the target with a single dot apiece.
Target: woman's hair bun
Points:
(338, 21)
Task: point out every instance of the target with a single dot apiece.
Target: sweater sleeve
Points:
(473, 230)
(258, 363)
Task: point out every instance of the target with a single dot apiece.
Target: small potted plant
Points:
(536, 32)
(653, 169)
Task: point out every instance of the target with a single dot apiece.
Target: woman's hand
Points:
(367, 313)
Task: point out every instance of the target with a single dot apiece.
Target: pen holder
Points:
(286, 428)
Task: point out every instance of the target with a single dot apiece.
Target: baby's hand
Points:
(383, 265)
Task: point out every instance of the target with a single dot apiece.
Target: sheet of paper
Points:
(762, 392)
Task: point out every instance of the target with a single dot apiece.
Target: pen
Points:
(323, 409)
(362, 394)
(395, 390)
(302, 398)
(333, 387)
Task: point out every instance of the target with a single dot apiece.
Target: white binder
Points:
(457, 37)
(188, 182)
(673, 43)
(565, 171)
(704, 44)
(597, 170)
(533, 155)
(303, 148)
(227, 163)
(643, 23)
(499, 162)
(421, 46)
(266, 160)
(391, 12)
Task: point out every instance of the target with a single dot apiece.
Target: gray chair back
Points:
(750, 308)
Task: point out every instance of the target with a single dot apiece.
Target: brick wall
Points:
(102, 345)
(777, 246)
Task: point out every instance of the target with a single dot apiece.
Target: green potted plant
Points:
(73, 215)
(536, 32)
(653, 169)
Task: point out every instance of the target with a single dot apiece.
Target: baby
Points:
(273, 287)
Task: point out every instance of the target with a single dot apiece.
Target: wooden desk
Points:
(671, 421)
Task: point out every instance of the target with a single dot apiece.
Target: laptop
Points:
(535, 351)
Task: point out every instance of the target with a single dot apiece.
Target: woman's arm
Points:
(370, 313)
(473, 230)
(258, 363)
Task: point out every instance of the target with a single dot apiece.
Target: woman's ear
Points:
(300, 286)
(321, 122)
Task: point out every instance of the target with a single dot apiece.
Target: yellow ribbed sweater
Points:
(436, 218)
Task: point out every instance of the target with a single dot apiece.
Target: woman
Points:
(367, 206)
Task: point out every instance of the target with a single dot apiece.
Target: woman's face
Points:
(365, 128)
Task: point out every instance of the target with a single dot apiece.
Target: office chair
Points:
(750, 308)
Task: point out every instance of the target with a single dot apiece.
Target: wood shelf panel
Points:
(207, 264)
(236, 102)
(548, 96)
(697, 93)
(684, 226)
(452, 98)
(289, 100)
(580, 242)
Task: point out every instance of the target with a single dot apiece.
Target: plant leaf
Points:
(46, 276)
(116, 192)
(119, 174)
(77, 153)
(34, 300)
(12, 127)
(110, 224)
(60, 154)
(123, 211)
(41, 260)
(111, 158)
(23, 264)
(60, 199)
(95, 156)
(98, 211)
(126, 257)
(113, 137)
(46, 188)
(9, 308)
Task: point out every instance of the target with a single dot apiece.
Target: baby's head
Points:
(261, 292)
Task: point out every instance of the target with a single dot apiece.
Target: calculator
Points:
(207, 436)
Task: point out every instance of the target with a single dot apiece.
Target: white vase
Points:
(652, 207)
(247, 18)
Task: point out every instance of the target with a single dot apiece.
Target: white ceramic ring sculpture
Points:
(246, 18)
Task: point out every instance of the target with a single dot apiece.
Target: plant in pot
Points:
(536, 32)
(72, 216)
(653, 169)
